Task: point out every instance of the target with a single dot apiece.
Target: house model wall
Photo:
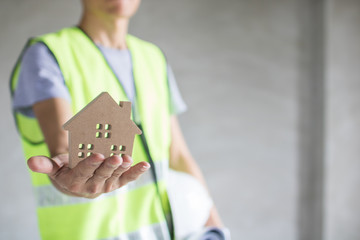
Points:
(103, 127)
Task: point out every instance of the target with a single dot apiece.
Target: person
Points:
(56, 76)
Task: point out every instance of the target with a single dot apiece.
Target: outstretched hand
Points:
(92, 176)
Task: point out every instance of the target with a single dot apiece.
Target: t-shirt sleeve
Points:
(40, 78)
(177, 104)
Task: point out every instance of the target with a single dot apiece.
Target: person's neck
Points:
(106, 32)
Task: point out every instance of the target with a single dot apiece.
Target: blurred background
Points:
(272, 89)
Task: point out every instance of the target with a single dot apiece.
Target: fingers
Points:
(87, 167)
(108, 167)
(73, 180)
(126, 163)
(107, 174)
(112, 183)
(90, 177)
(42, 164)
(133, 173)
(96, 183)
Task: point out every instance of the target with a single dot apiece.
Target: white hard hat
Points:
(190, 203)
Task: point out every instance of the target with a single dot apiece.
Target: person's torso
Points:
(138, 208)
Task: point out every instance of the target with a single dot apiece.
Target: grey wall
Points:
(245, 69)
(342, 201)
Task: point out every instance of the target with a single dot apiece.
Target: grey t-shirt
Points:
(40, 78)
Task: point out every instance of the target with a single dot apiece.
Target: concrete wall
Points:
(245, 69)
(342, 202)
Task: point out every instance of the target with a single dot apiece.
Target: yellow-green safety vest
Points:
(137, 210)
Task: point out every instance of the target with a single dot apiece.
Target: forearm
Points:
(51, 115)
(180, 156)
(182, 160)
(188, 165)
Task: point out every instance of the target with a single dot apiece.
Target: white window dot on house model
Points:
(117, 149)
(85, 150)
(112, 154)
(103, 130)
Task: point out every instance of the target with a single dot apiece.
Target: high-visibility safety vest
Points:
(138, 210)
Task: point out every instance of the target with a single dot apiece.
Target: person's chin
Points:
(119, 11)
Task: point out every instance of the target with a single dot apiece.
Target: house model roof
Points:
(103, 127)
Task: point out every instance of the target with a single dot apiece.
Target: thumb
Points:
(42, 164)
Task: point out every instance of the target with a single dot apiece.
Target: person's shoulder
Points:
(61, 33)
(36, 52)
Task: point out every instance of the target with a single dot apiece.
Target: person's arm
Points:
(182, 160)
(92, 176)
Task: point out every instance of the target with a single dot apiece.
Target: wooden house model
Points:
(103, 127)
